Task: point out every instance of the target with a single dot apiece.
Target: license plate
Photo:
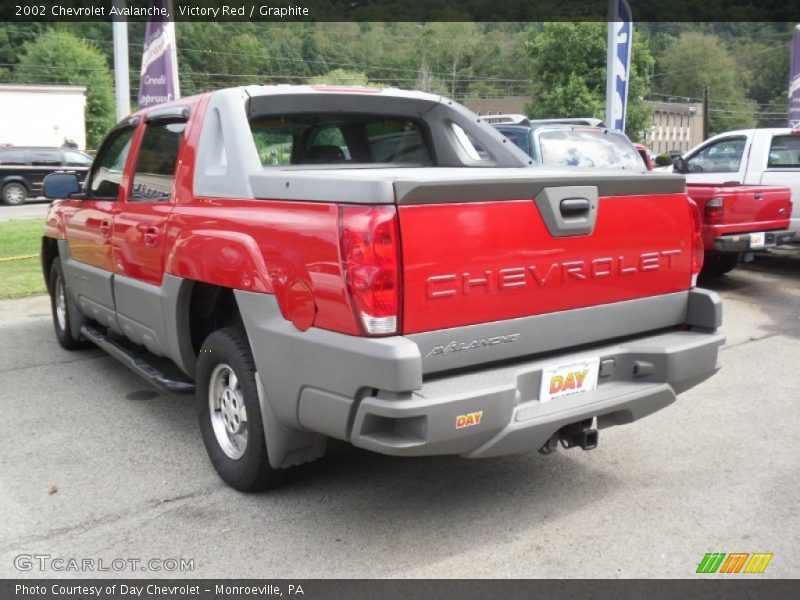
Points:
(568, 379)
(757, 240)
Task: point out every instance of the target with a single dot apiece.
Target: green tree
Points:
(453, 46)
(428, 82)
(13, 37)
(215, 55)
(698, 59)
(65, 59)
(3, 43)
(340, 77)
(768, 83)
(569, 73)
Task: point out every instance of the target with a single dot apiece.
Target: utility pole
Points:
(453, 86)
(121, 81)
(705, 112)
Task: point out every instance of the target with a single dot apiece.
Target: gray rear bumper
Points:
(385, 395)
(741, 242)
(639, 377)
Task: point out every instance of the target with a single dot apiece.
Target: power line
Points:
(329, 63)
(747, 112)
(200, 82)
(699, 65)
(688, 99)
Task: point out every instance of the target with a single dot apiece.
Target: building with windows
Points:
(675, 126)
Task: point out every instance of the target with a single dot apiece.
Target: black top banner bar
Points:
(400, 10)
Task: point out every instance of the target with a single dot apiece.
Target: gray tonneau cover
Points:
(426, 185)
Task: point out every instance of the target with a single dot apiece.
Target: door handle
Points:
(105, 227)
(759, 196)
(574, 207)
(150, 236)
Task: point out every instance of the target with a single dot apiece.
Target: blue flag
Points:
(619, 63)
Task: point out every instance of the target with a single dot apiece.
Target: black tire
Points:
(716, 265)
(14, 193)
(223, 351)
(61, 320)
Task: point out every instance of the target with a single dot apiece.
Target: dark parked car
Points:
(23, 169)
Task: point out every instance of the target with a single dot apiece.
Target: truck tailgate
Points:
(745, 208)
(505, 253)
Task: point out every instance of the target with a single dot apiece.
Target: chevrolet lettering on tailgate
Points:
(511, 278)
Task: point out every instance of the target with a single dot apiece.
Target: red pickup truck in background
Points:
(345, 263)
(738, 219)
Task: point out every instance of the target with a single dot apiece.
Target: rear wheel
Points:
(14, 193)
(716, 265)
(59, 306)
(229, 413)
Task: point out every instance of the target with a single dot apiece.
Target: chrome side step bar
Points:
(137, 364)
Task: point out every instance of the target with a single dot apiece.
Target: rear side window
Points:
(332, 139)
(13, 156)
(596, 148)
(393, 141)
(76, 159)
(724, 156)
(784, 152)
(154, 176)
(109, 164)
(45, 158)
(518, 136)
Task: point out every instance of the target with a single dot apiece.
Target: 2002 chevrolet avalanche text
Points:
(380, 267)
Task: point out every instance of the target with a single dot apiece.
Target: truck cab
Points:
(767, 156)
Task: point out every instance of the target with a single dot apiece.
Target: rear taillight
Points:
(370, 259)
(698, 250)
(714, 211)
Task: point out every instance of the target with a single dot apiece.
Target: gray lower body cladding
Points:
(384, 395)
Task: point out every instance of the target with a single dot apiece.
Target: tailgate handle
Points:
(568, 210)
(759, 195)
(574, 207)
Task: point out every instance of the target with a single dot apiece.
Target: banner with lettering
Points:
(620, 46)
(159, 78)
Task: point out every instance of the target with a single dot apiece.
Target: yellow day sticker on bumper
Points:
(567, 379)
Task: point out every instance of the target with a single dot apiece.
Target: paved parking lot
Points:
(32, 209)
(716, 471)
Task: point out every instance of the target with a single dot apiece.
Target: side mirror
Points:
(61, 185)
(679, 165)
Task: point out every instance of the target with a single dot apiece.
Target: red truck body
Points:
(517, 269)
(352, 289)
(644, 152)
(740, 209)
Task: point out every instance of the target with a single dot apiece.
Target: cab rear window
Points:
(334, 139)
(596, 148)
(784, 152)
